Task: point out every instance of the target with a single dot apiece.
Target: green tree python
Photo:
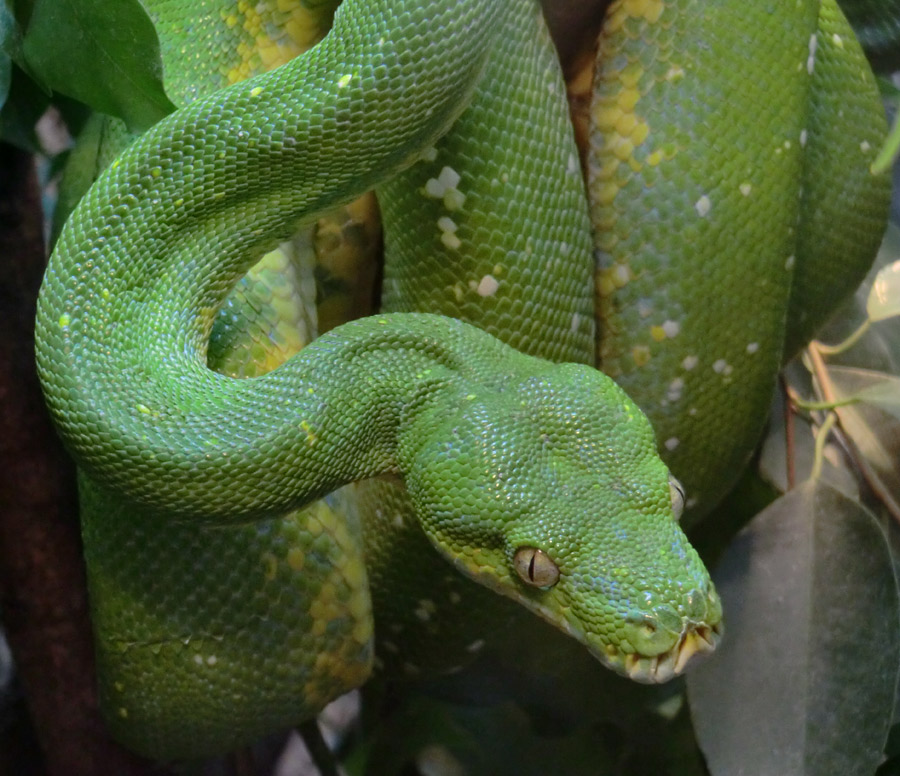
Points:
(730, 145)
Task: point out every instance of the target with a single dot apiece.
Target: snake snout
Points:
(696, 639)
(664, 640)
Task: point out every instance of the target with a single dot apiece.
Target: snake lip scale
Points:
(695, 641)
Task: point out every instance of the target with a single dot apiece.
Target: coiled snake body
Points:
(216, 618)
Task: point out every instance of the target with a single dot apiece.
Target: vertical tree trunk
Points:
(42, 589)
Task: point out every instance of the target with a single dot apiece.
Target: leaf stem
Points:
(889, 150)
(821, 438)
(869, 475)
(790, 401)
(831, 350)
(806, 404)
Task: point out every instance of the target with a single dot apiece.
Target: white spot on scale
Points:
(752, 347)
(671, 328)
(789, 262)
(429, 154)
(745, 189)
(702, 206)
(451, 241)
(454, 199)
(838, 40)
(447, 224)
(425, 609)
(722, 367)
(572, 165)
(449, 178)
(576, 322)
(804, 136)
(488, 286)
(673, 392)
(565, 249)
(475, 646)
(198, 659)
(212, 660)
(865, 147)
(448, 229)
(692, 411)
(689, 362)
(671, 443)
(811, 59)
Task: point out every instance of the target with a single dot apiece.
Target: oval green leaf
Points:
(102, 52)
(884, 297)
(872, 422)
(803, 683)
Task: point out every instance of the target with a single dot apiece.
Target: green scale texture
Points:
(218, 620)
(507, 247)
(498, 450)
(695, 132)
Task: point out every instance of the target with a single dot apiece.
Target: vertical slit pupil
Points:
(531, 567)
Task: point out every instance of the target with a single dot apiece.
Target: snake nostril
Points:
(696, 605)
(668, 618)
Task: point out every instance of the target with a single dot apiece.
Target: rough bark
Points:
(42, 589)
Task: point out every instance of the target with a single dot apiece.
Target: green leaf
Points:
(884, 394)
(889, 150)
(803, 683)
(102, 52)
(884, 297)
(872, 424)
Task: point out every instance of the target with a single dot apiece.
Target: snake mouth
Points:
(695, 640)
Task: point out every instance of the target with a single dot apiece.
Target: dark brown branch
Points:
(42, 589)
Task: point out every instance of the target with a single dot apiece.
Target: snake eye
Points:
(677, 495)
(535, 567)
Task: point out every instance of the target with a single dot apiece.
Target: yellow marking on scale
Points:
(311, 438)
(296, 558)
(640, 354)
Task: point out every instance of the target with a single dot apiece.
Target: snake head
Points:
(548, 489)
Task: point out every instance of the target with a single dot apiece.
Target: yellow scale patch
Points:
(342, 595)
(272, 33)
(616, 117)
